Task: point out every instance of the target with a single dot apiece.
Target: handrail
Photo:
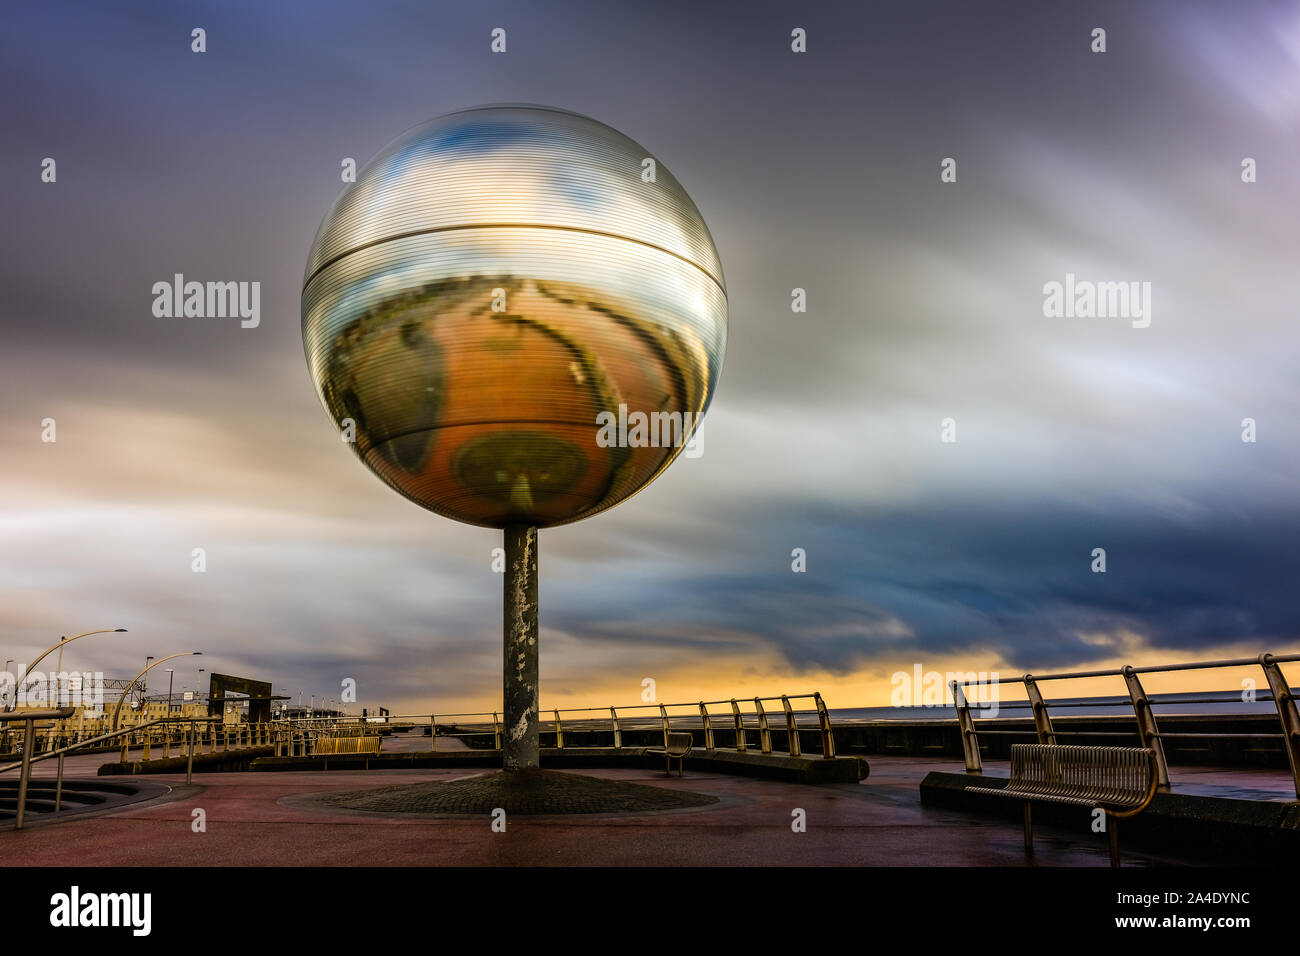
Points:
(37, 758)
(618, 721)
(803, 714)
(62, 713)
(1143, 704)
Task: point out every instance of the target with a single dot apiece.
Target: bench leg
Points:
(1029, 827)
(1112, 831)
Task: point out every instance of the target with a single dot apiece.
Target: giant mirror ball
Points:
(493, 282)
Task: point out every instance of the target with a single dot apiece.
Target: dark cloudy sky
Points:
(816, 170)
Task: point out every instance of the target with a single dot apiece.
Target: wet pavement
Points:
(256, 819)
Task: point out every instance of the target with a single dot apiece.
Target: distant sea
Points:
(1221, 702)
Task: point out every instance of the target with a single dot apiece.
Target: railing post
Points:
(791, 729)
(824, 721)
(970, 745)
(559, 731)
(708, 726)
(764, 732)
(148, 738)
(1146, 723)
(26, 772)
(663, 718)
(433, 732)
(496, 730)
(58, 788)
(1042, 720)
(1286, 713)
(740, 725)
(189, 764)
(618, 732)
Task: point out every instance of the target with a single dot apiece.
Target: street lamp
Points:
(63, 640)
(118, 709)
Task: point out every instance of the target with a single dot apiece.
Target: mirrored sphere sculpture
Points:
(493, 282)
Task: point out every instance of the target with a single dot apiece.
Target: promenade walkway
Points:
(275, 819)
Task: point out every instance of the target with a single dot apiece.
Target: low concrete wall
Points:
(809, 770)
(223, 761)
(940, 738)
(1217, 829)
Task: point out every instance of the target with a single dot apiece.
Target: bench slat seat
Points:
(347, 745)
(1118, 780)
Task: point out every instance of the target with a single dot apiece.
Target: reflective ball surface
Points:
(500, 303)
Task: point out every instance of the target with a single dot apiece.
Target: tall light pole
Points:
(58, 646)
(171, 677)
(117, 711)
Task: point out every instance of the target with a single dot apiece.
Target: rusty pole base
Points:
(519, 743)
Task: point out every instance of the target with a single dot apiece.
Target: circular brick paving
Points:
(520, 792)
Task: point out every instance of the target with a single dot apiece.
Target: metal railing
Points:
(1147, 730)
(735, 723)
(30, 718)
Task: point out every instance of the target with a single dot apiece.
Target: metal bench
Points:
(1119, 780)
(677, 746)
(347, 745)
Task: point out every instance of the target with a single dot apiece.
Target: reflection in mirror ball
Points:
(492, 282)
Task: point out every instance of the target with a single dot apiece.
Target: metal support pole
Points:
(764, 731)
(433, 731)
(740, 725)
(1146, 721)
(708, 726)
(824, 722)
(26, 772)
(521, 750)
(1286, 712)
(189, 764)
(1042, 720)
(58, 788)
(970, 745)
(618, 731)
(791, 728)
(559, 731)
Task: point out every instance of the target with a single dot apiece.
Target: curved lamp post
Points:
(66, 640)
(117, 711)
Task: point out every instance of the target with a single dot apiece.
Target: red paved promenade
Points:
(261, 819)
